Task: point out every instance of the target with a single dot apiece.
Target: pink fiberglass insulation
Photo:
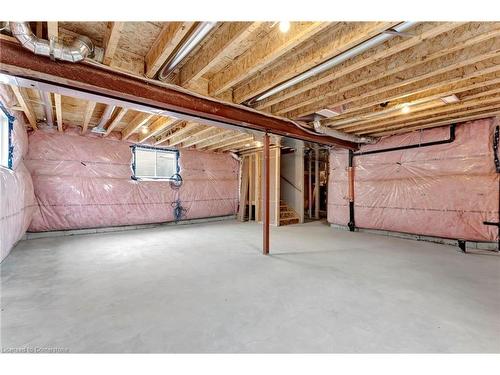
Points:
(17, 201)
(85, 182)
(446, 190)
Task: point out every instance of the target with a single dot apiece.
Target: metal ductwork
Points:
(200, 32)
(81, 47)
(341, 135)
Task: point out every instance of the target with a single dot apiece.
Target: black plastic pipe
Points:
(450, 139)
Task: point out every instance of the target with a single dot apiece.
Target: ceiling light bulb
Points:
(258, 144)
(247, 144)
(405, 108)
(284, 26)
(144, 130)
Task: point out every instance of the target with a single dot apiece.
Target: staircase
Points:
(287, 215)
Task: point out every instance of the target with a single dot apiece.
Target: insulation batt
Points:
(17, 202)
(446, 190)
(85, 182)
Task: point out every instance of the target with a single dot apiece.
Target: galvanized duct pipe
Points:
(341, 135)
(81, 47)
(47, 107)
(193, 40)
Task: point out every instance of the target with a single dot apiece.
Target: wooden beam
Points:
(245, 138)
(53, 30)
(111, 39)
(425, 56)
(195, 137)
(394, 46)
(337, 39)
(243, 189)
(159, 125)
(139, 120)
(179, 138)
(217, 137)
(221, 142)
(116, 120)
(87, 116)
(59, 113)
(486, 114)
(229, 35)
(417, 113)
(183, 128)
(456, 86)
(165, 44)
(26, 106)
(457, 66)
(456, 115)
(263, 53)
(116, 85)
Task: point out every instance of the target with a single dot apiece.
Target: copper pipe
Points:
(350, 177)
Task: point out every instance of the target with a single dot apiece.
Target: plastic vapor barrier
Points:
(446, 190)
(17, 201)
(85, 182)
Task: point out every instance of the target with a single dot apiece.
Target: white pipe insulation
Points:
(341, 135)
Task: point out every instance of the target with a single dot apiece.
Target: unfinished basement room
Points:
(250, 187)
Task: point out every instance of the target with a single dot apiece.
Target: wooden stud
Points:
(53, 30)
(116, 120)
(243, 189)
(26, 106)
(258, 186)
(59, 112)
(87, 116)
(111, 39)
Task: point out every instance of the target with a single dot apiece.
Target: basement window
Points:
(6, 123)
(152, 163)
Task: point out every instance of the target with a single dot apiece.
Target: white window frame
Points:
(156, 150)
(6, 121)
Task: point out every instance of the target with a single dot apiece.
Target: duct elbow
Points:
(341, 135)
(81, 48)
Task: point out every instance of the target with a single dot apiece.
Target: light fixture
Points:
(144, 130)
(336, 60)
(247, 144)
(450, 99)
(284, 26)
(258, 143)
(405, 108)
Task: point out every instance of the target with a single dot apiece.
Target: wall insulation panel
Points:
(446, 190)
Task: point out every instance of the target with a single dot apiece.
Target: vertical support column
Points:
(350, 176)
(265, 245)
(316, 182)
(309, 190)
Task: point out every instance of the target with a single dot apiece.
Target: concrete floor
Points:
(207, 288)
